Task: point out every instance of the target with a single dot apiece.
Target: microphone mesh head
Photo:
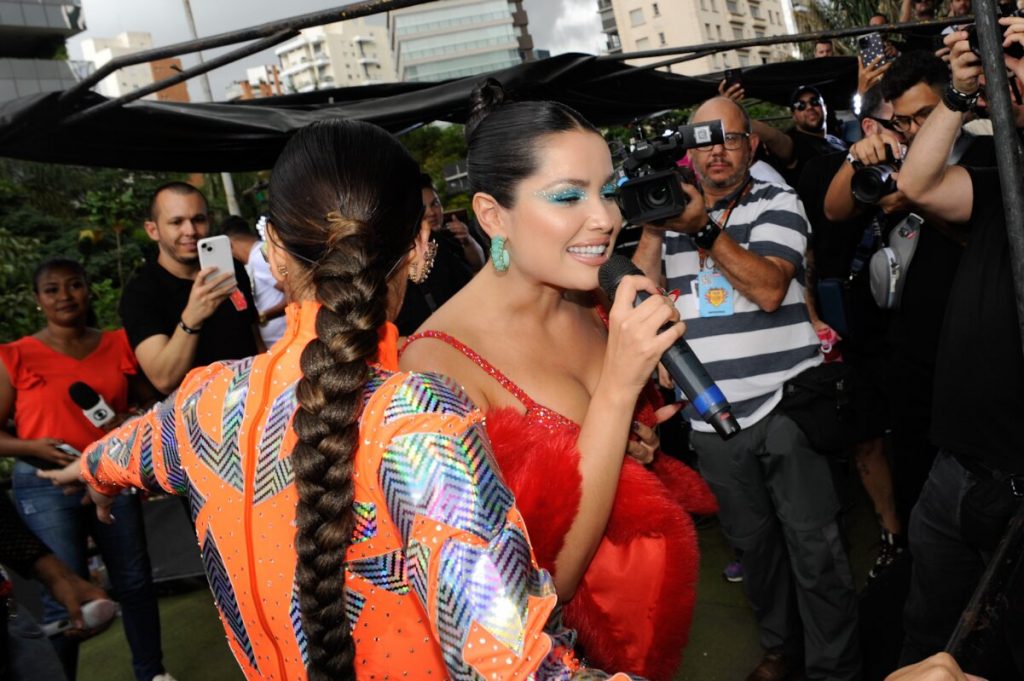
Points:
(83, 395)
(611, 273)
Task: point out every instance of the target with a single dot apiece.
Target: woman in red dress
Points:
(570, 410)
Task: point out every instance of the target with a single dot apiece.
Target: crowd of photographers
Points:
(899, 236)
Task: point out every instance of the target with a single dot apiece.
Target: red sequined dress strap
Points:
(536, 411)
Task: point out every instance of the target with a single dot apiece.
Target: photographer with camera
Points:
(837, 281)
(978, 475)
(914, 86)
(736, 263)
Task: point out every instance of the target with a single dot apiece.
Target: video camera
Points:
(870, 183)
(652, 192)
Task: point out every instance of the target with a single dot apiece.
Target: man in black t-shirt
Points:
(176, 316)
(837, 273)
(914, 85)
(790, 151)
(978, 378)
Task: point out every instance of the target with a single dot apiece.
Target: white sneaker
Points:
(164, 677)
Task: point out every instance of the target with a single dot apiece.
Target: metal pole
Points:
(205, 80)
(1009, 159)
(980, 619)
(351, 11)
(654, 66)
(989, 600)
(216, 62)
(225, 178)
(780, 39)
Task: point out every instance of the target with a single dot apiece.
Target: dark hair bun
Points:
(487, 96)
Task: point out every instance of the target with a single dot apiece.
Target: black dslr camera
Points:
(652, 192)
(870, 183)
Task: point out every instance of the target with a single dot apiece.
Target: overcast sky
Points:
(556, 25)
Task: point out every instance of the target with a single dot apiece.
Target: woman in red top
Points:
(566, 387)
(35, 374)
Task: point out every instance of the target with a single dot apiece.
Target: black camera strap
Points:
(737, 197)
(726, 214)
(869, 242)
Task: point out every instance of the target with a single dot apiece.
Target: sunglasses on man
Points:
(802, 104)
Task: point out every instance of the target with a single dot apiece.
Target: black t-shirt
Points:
(449, 274)
(805, 148)
(914, 332)
(834, 245)
(917, 325)
(152, 303)
(979, 378)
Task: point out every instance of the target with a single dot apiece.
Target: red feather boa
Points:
(633, 608)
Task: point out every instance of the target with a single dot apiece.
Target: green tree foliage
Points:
(93, 215)
(18, 315)
(824, 15)
(434, 147)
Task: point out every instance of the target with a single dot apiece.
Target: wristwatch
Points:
(960, 102)
(188, 329)
(705, 238)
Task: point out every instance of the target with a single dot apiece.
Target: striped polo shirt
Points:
(750, 353)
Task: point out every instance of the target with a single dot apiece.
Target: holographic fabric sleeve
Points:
(494, 610)
(144, 452)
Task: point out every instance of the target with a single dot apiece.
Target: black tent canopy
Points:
(249, 135)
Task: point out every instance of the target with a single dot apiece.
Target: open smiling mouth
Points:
(588, 250)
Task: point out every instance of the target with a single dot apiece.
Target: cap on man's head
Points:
(802, 90)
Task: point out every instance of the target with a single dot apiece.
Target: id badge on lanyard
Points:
(715, 295)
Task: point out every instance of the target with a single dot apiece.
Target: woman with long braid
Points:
(351, 519)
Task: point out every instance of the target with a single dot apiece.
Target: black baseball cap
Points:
(803, 89)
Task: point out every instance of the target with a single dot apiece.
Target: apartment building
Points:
(99, 51)
(459, 38)
(32, 35)
(342, 54)
(260, 81)
(636, 25)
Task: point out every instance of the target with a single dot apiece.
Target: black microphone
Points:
(681, 362)
(92, 405)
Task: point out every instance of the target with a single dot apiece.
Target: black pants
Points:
(946, 570)
(778, 505)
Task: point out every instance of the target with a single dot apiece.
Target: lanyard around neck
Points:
(732, 204)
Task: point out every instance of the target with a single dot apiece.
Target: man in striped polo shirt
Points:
(739, 265)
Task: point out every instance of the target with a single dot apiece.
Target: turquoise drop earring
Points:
(499, 254)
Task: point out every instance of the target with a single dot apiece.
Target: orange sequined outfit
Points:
(441, 581)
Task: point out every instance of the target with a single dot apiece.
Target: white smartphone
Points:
(68, 449)
(95, 614)
(215, 251)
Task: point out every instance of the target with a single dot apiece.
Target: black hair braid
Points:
(345, 204)
(352, 293)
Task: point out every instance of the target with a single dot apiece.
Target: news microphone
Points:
(95, 615)
(92, 405)
(681, 362)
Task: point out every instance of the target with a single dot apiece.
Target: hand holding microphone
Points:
(684, 366)
(637, 338)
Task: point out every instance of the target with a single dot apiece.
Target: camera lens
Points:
(657, 195)
(871, 183)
